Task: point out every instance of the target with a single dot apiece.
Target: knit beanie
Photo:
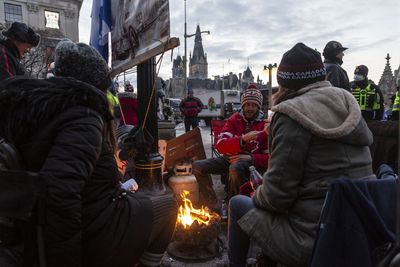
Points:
(299, 67)
(82, 62)
(252, 96)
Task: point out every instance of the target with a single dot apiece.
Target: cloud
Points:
(257, 33)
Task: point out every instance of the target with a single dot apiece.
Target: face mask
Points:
(358, 77)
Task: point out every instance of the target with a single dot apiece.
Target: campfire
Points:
(196, 232)
(188, 214)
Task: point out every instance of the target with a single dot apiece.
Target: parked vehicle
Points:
(218, 104)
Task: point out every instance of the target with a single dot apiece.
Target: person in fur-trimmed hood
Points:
(317, 135)
(63, 129)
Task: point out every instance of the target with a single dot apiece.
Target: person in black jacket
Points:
(64, 130)
(19, 40)
(335, 74)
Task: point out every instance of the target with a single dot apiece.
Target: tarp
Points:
(140, 28)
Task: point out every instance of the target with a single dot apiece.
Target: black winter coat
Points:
(10, 65)
(336, 75)
(58, 127)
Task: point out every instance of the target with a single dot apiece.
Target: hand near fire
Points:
(130, 185)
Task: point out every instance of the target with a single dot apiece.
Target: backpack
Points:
(21, 201)
(9, 160)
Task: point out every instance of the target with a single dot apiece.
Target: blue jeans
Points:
(238, 241)
(385, 171)
(238, 174)
(191, 121)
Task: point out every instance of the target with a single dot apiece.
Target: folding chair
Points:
(129, 106)
(215, 128)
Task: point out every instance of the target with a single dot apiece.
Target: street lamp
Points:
(269, 68)
(185, 57)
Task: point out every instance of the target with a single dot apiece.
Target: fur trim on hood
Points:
(326, 111)
(26, 103)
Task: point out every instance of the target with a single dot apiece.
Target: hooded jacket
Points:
(57, 126)
(10, 65)
(313, 141)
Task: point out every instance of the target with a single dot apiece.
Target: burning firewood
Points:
(196, 232)
(203, 218)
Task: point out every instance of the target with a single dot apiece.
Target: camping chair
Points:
(129, 106)
(215, 128)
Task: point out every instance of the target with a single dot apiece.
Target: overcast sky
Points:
(258, 32)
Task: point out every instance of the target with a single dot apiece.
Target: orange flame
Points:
(187, 214)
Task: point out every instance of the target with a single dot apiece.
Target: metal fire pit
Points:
(198, 243)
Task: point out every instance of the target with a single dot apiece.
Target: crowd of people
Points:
(64, 129)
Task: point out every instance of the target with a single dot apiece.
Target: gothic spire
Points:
(387, 81)
(198, 66)
(198, 34)
(387, 58)
(198, 51)
(387, 72)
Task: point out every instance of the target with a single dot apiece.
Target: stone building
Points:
(248, 76)
(178, 70)
(198, 80)
(53, 20)
(62, 15)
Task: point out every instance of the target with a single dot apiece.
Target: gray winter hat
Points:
(82, 62)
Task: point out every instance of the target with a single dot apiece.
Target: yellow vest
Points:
(367, 99)
(113, 101)
(396, 103)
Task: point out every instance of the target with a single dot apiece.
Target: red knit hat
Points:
(252, 86)
(253, 96)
